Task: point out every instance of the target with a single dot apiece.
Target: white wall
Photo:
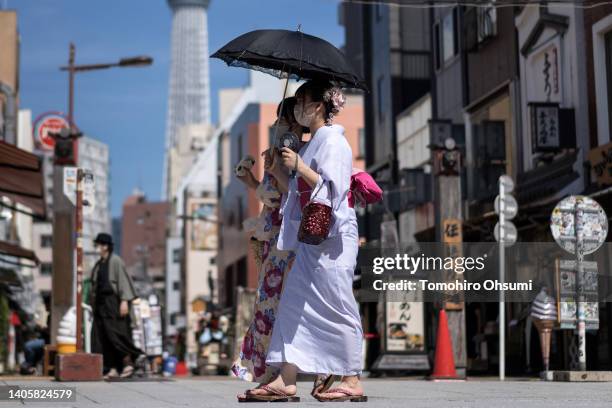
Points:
(413, 134)
(94, 156)
(173, 274)
(567, 77)
(602, 87)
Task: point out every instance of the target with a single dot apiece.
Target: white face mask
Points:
(301, 116)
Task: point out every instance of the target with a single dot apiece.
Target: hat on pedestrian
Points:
(104, 239)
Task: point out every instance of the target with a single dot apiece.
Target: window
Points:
(437, 46)
(379, 11)
(362, 143)
(46, 269)
(176, 256)
(46, 241)
(239, 148)
(449, 36)
(213, 260)
(380, 99)
(176, 285)
(487, 22)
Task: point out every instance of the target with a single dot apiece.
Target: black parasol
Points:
(290, 54)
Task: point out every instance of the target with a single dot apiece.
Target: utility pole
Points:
(63, 277)
(63, 295)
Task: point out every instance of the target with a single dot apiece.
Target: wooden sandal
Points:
(348, 396)
(273, 396)
(322, 384)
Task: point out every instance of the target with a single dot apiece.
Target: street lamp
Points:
(64, 221)
(139, 61)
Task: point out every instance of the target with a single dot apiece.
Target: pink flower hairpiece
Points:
(337, 99)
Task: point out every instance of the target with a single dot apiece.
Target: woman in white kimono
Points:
(318, 326)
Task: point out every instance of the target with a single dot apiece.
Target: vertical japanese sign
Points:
(545, 130)
(405, 327)
(453, 237)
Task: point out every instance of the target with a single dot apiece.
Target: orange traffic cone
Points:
(444, 363)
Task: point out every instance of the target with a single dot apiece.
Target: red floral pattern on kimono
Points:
(251, 364)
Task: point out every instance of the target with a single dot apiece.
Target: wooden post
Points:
(448, 207)
(79, 259)
(62, 279)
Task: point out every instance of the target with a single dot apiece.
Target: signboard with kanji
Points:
(452, 231)
(405, 329)
(545, 130)
(600, 159)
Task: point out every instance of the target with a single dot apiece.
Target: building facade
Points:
(9, 74)
(495, 72)
(94, 157)
(143, 241)
(198, 222)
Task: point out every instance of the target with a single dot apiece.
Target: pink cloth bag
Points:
(364, 189)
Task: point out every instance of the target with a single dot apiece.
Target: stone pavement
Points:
(220, 392)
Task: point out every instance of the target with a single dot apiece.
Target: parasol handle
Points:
(293, 173)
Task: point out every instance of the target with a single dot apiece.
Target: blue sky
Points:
(126, 108)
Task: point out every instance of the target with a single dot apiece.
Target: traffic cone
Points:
(444, 362)
(181, 369)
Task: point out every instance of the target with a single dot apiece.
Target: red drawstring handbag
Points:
(316, 220)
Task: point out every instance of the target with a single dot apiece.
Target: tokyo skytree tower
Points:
(189, 89)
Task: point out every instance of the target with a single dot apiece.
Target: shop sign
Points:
(566, 294)
(405, 330)
(545, 130)
(452, 231)
(600, 159)
(47, 124)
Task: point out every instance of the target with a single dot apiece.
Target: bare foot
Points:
(351, 384)
(278, 385)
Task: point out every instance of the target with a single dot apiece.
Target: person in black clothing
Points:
(112, 291)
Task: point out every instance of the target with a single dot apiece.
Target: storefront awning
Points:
(21, 178)
(11, 250)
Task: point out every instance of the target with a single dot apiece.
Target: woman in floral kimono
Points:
(318, 326)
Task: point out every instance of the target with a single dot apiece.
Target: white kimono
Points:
(318, 326)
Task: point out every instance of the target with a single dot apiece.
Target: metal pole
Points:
(79, 259)
(72, 51)
(502, 272)
(580, 314)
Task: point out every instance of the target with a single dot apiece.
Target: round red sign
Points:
(49, 123)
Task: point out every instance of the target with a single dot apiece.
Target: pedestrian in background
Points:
(112, 291)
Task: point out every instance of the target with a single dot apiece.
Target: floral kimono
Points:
(275, 263)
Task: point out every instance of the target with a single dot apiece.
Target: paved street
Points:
(221, 391)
